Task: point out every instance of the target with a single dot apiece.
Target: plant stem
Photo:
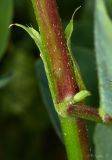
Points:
(87, 113)
(60, 73)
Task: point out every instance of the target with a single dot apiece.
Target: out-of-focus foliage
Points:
(25, 129)
(5, 79)
(47, 97)
(6, 8)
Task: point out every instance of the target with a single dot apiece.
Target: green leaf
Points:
(69, 28)
(33, 33)
(5, 79)
(80, 96)
(6, 7)
(103, 45)
(102, 141)
(43, 83)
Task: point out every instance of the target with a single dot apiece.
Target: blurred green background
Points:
(26, 131)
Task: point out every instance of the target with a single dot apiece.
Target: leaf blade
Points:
(103, 45)
(103, 146)
(69, 28)
(33, 33)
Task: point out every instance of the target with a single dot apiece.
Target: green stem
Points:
(75, 137)
(61, 77)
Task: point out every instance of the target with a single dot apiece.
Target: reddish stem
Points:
(88, 113)
(83, 139)
(62, 67)
(60, 64)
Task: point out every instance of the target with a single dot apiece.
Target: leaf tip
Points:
(13, 24)
(80, 96)
(76, 10)
(10, 25)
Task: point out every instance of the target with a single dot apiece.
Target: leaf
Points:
(103, 45)
(42, 80)
(6, 8)
(69, 28)
(33, 33)
(6, 79)
(102, 140)
(80, 96)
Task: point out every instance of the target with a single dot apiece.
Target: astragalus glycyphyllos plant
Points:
(66, 85)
